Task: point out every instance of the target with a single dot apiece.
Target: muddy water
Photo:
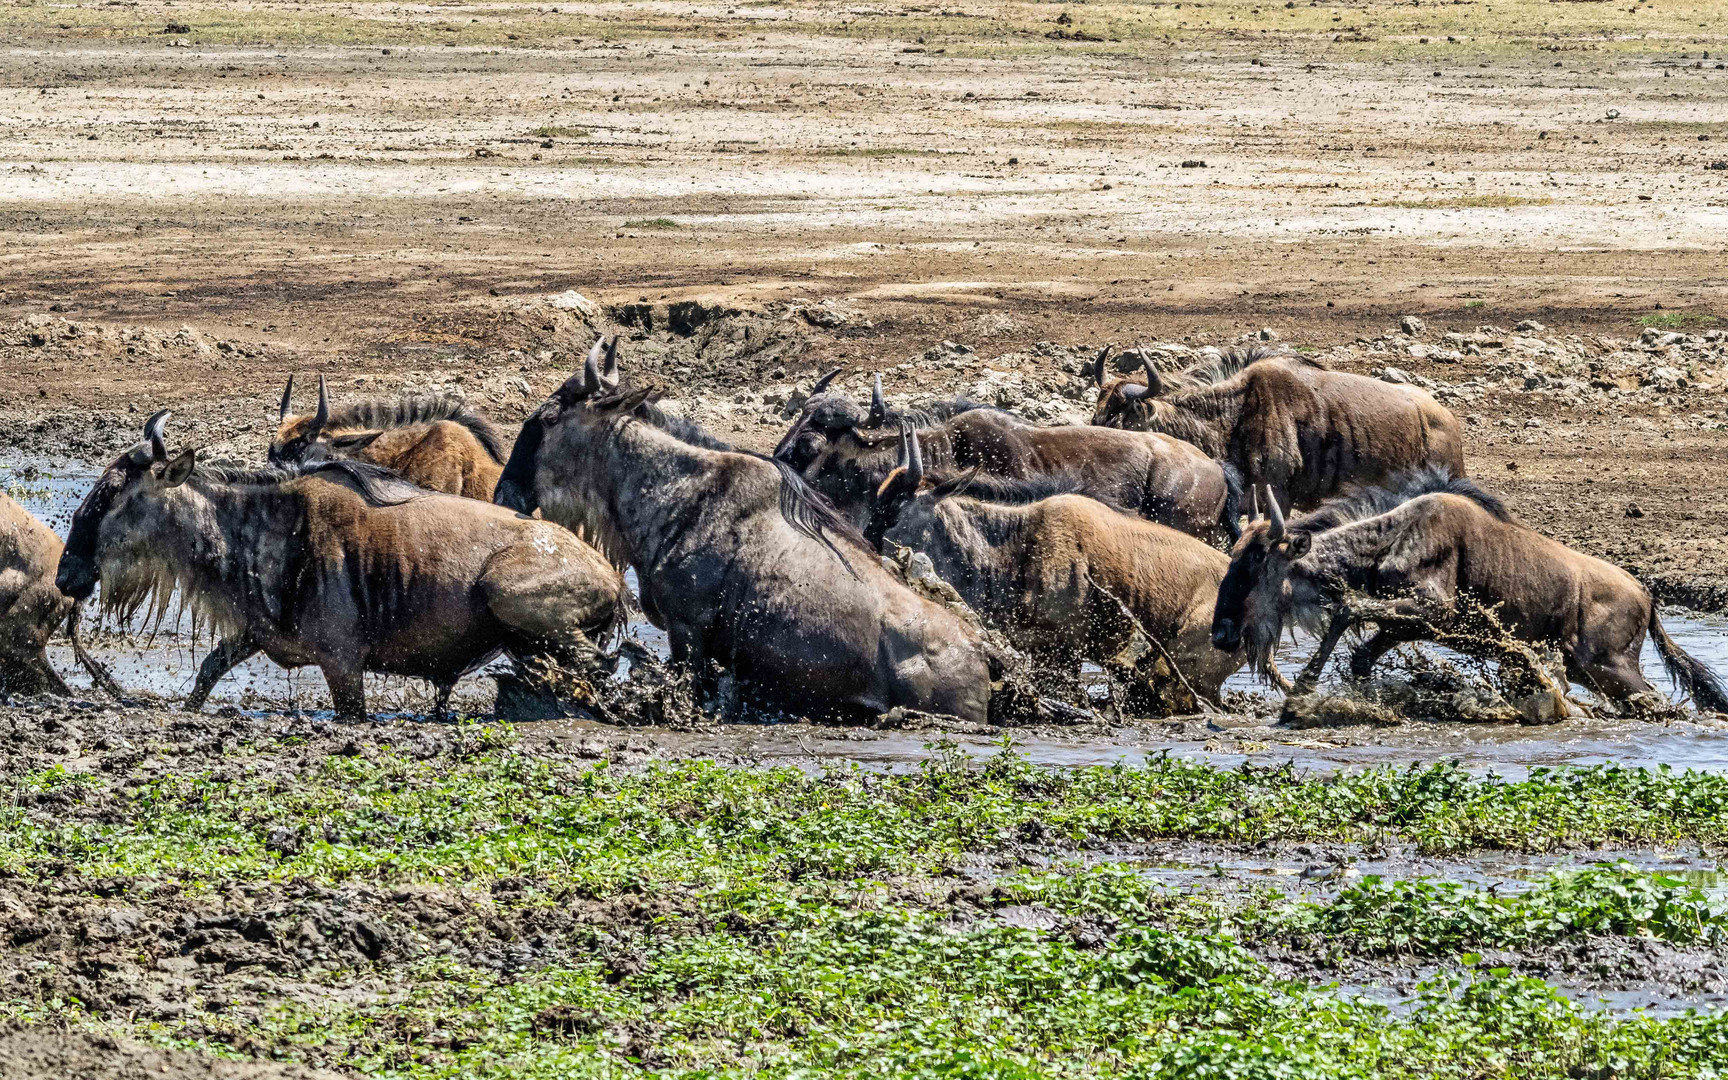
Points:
(164, 663)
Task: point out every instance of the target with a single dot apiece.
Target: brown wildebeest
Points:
(433, 441)
(1423, 541)
(1066, 577)
(340, 564)
(846, 454)
(740, 562)
(30, 606)
(1291, 423)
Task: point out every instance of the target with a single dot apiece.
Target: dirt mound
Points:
(47, 1053)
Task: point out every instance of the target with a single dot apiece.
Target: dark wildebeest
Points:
(743, 565)
(1066, 577)
(433, 441)
(846, 454)
(30, 606)
(1422, 542)
(1291, 423)
(339, 564)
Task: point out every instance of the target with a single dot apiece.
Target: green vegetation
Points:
(556, 131)
(1676, 320)
(652, 223)
(762, 921)
(1441, 918)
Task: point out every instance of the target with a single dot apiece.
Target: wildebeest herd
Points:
(401, 537)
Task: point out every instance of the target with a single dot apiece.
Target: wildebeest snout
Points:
(1226, 634)
(76, 577)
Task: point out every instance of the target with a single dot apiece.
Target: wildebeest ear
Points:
(1298, 544)
(175, 472)
(360, 440)
(629, 401)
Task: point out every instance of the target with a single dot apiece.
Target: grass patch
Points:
(770, 923)
(1474, 304)
(652, 223)
(1468, 202)
(555, 131)
(1676, 320)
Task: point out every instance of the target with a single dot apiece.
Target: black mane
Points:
(802, 506)
(412, 409)
(1004, 489)
(935, 413)
(1365, 502)
(375, 484)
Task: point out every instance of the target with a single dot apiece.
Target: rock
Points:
(1664, 378)
(1411, 325)
(1267, 334)
(1419, 351)
(283, 841)
(1633, 510)
(571, 300)
(1530, 326)
(1393, 375)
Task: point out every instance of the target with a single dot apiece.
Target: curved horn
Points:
(1276, 532)
(154, 436)
(905, 458)
(591, 370)
(1154, 385)
(287, 397)
(1098, 367)
(609, 373)
(1254, 497)
(915, 467)
(822, 383)
(322, 416)
(878, 404)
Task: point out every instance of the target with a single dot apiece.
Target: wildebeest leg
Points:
(347, 691)
(1385, 639)
(225, 657)
(1617, 679)
(441, 702)
(1310, 673)
(33, 675)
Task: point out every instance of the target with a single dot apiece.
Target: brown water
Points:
(165, 663)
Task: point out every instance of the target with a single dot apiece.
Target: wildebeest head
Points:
(1251, 598)
(588, 396)
(901, 509)
(826, 416)
(1124, 397)
(109, 525)
(309, 438)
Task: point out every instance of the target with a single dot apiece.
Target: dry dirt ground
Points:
(392, 191)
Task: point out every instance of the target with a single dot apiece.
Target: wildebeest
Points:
(1423, 541)
(846, 454)
(743, 565)
(1292, 423)
(339, 564)
(434, 441)
(1066, 577)
(31, 608)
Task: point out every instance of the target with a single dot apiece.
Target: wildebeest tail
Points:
(1231, 516)
(1687, 670)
